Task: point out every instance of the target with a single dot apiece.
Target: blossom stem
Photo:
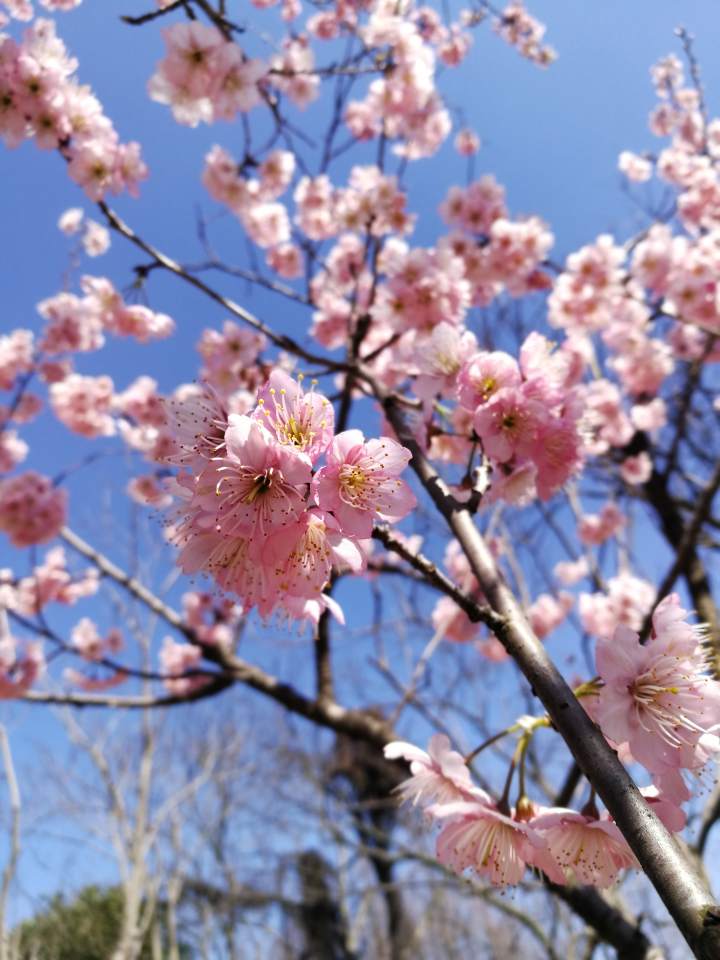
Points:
(488, 743)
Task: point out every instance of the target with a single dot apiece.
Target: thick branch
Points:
(607, 921)
(681, 889)
(323, 664)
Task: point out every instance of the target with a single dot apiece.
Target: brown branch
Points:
(566, 791)
(355, 723)
(684, 549)
(683, 891)
(128, 702)
(477, 612)
(129, 583)
(610, 924)
(710, 817)
(672, 524)
(172, 266)
(153, 14)
(323, 665)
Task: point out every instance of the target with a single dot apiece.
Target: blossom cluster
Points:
(50, 582)
(87, 405)
(404, 103)
(658, 702)
(259, 514)
(41, 99)
(19, 668)
(78, 324)
(95, 238)
(658, 706)
(205, 77)
(23, 10)
(32, 509)
(498, 842)
(522, 31)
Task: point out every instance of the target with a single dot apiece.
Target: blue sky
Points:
(551, 137)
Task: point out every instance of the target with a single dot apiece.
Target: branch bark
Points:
(682, 890)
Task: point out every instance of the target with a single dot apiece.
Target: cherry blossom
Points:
(438, 776)
(84, 404)
(481, 838)
(299, 420)
(658, 697)
(360, 482)
(32, 510)
(580, 848)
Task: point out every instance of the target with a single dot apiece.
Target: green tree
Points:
(86, 927)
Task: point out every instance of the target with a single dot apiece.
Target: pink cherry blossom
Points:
(481, 838)
(95, 239)
(286, 260)
(51, 582)
(87, 641)
(597, 528)
(636, 470)
(257, 484)
(438, 776)
(440, 357)
(32, 510)
(177, 659)
(17, 672)
(149, 491)
(214, 619)
(235, 85)
(522, 31)
(658, 697)
(547, 612)
(276, 173)
(197, 420)
(467, 142)
(292, 71)
(300, 420)
(16, 356)
(572, 571)
(13, 450)
(580, 849)
(205, 77)
(509, 424)
(635, 168)
(452, 623)
(84, 404)
(476, 208)
(483, 375)
(71, 220)
(315, 199)
(626, 601)
(24, 410)
(72, 325)
(301, 556)
(230, 357)
(361, 482)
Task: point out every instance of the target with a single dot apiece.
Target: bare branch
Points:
(172, 266)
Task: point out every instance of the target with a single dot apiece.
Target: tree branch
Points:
(356, 723)
(682, 890)
(279, 339)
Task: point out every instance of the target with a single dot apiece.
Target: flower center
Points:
(260, 485)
